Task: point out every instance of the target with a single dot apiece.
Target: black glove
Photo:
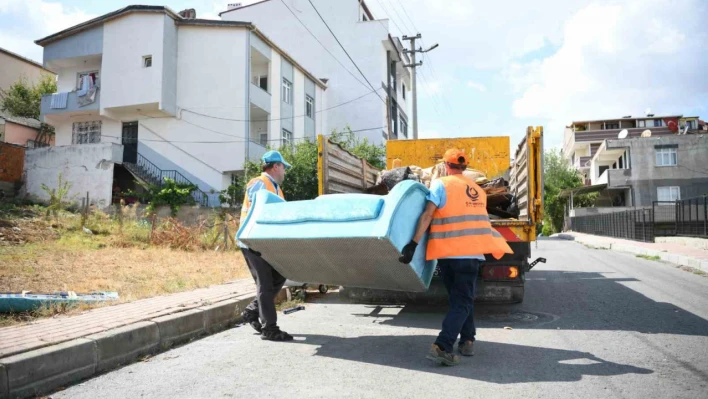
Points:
(408, 252)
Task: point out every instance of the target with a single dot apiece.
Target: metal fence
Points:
(688, 217)
(635, 225)
(691, 217)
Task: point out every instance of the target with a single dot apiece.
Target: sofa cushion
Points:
(340, 210)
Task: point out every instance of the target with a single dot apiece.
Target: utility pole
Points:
(413, 65)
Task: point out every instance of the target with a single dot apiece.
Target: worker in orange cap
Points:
(460, 235)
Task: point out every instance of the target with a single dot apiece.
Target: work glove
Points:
(408, 252)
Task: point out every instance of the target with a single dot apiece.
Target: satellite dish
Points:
(646, 133)
(623, 134)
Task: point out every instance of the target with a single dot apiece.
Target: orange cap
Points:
(455, 157)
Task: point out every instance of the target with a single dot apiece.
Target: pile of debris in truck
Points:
(501, 203)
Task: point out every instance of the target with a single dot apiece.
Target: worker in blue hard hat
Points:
(260, 313)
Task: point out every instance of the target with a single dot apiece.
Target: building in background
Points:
(376, 104)
(22, 131)
(166, 94)
(632, 162)
(13, 67)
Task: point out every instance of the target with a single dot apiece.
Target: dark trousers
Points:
(460, 279)
(268, 284)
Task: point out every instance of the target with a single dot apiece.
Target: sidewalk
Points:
(50, 353)
(675, 253)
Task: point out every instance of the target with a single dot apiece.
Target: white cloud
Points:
(34, 19)
(618, 59)
(477, 86)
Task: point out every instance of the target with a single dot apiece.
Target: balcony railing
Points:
(255, 151)
(72, 104)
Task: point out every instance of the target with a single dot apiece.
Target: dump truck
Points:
(500, 281)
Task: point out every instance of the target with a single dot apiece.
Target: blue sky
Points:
(501, 66)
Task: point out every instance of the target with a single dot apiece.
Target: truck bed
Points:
(343, 172)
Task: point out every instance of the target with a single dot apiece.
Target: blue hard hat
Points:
(273, 157)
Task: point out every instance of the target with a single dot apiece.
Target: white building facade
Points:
(190, 96)
(299, 30)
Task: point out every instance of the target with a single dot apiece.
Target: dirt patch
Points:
(25, 231)
(50, 256)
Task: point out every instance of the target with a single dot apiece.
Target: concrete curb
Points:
(680, 260)
(43, 370)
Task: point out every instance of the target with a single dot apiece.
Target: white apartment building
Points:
(296, 26)
(171, 96)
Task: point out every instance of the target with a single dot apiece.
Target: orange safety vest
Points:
(462, 226)
(269, 186)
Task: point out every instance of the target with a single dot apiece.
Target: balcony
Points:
(255, 151)
(582, 162)
(72, 105)
(260, 98)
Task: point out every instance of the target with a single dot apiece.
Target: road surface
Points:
(594, 324)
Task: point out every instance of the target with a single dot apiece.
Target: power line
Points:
(228, 141)
(408, 16)
(277, 119)
(346, 52)
(388, 15)
(321, 44)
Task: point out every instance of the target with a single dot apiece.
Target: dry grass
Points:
(111, 259)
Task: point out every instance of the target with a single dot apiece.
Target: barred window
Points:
(86, 132)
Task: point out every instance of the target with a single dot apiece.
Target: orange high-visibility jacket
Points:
(462, 226)
(247, 201)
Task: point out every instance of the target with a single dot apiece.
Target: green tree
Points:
(24, 100)
(301, 180)
(559, 175)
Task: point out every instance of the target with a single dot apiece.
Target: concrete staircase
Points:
(150, 174)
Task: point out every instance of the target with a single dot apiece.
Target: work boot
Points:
(275, 334)
(441, 357)
(252, 319)
(466, 348)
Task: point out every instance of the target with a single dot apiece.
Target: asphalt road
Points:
(594, 324)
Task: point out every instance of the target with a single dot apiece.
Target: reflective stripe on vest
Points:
(462, 227)
(268, 185)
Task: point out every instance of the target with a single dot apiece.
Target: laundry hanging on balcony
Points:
(59, 100)
(87, 93)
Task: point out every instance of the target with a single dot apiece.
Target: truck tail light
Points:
(500, 272)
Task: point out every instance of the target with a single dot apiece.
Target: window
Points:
(657, 122)
(263, 139)
(669, 193)
(403, 90)
(287, 91)
(393, 75)
(234, 179)
(287, 138)
(2, 132)
(261, 81)
(666, 156)
(609, 126)
(404, 128)
(147, 61)
(691, 124)
(92, 74)
(86, 132)
(310, 107)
